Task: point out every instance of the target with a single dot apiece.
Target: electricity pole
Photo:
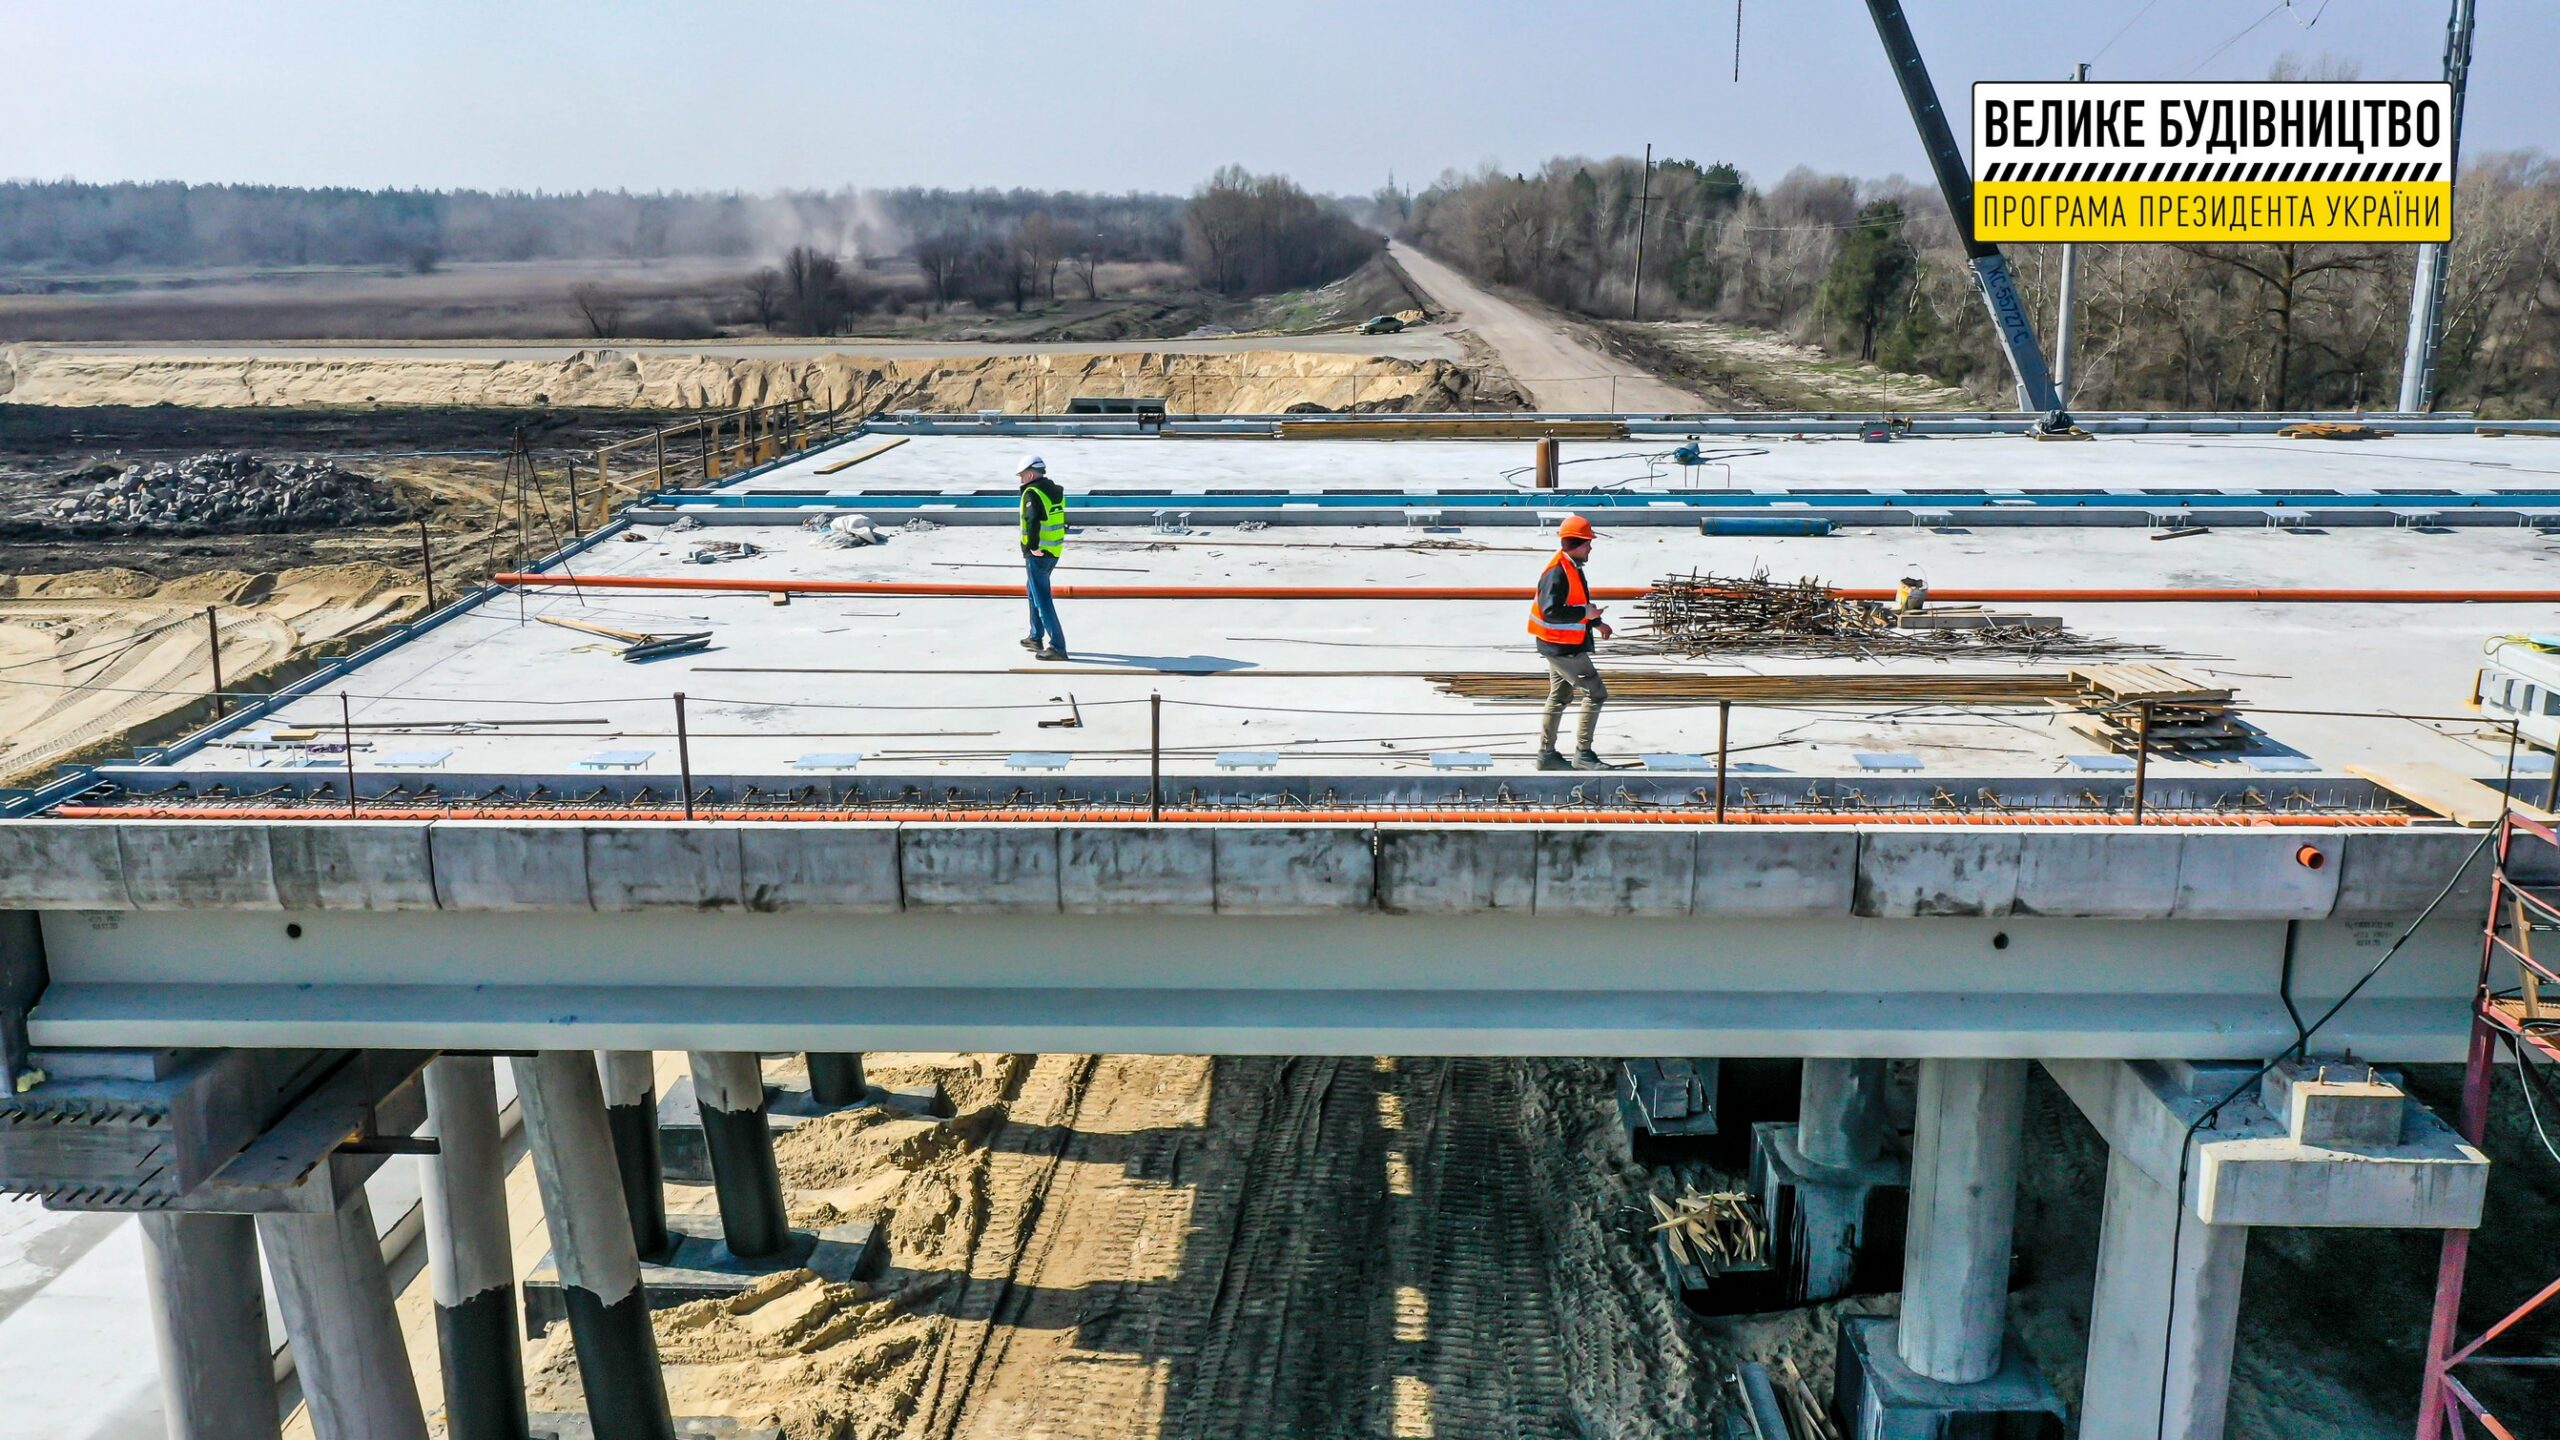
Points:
(1644, 202)
(2426, 293)
(2065, 327)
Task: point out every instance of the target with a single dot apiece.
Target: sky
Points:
(757, 95)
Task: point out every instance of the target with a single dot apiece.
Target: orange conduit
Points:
(2024, 596)
(1172, 816)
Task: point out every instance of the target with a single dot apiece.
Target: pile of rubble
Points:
(237, 492)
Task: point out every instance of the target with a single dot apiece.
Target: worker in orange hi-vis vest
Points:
(1564, 622)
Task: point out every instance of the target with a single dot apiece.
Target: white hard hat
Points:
(1032, 462)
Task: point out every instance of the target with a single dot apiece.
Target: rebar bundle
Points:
(1700, 614)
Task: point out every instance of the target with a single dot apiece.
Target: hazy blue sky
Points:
(1112, 94)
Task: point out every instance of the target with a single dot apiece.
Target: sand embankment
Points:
(1253, 381)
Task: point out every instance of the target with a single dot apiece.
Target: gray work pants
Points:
(1571, 673)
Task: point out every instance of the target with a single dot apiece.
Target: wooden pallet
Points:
(2134, 684)
(2126, 739)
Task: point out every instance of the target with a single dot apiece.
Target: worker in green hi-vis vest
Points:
(1044, 539)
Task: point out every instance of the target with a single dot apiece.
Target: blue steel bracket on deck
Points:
(22, 981)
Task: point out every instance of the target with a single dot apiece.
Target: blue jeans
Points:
(1044, 606)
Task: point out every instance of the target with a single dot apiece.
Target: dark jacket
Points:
(1031, 513)
(1552, 608)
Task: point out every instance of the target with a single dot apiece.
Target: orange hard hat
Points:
(1575, 528)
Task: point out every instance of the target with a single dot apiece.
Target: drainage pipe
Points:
(2246, 594)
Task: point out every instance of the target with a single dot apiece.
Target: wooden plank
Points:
(872, 453)
(2438, 790)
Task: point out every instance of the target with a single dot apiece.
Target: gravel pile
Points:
(236, 493)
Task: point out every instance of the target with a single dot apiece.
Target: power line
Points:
(2120, 33)
(2245, 31)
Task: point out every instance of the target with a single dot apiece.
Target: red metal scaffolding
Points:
(2509, 1008)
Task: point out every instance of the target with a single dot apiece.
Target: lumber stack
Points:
(2188, 715)
(1711, 1232)
(1682, 687)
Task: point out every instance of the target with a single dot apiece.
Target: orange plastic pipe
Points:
(2027, 595)
(1220, 817)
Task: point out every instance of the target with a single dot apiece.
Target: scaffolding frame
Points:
(2519, 1018)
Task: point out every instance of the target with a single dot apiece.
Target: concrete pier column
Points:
(729, 1084)
(209, 1317)
(336, 1299)
(631, 1112)
(1964, 1202)
(1841, 1122)
(582, 1203)
(2138, 1328)
(835, 1077)
(469, 1254)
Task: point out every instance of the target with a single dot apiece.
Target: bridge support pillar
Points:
(835, 1078)
(729, 1086)
(1950, 1353)
(336, 1297)
(471, 1254)
(1834, 1185)
(2156, 1314)
(631, 1113)
(209, 1318)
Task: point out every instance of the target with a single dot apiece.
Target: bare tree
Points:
(813, 291)
(1039, 242)
(764, 297)
(599, 309)
(1086, 265)
(942, 256)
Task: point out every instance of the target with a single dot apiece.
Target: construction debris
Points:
(1713, 1232)
(2185, 714)
(1699, 614)
(234, 493)
(2332, 430)
(638, 645)
(714, 552)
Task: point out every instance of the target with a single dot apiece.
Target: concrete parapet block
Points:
(351, 865)
(1775, 874)
(1904, 874)
(1103, 869)
(2334, 1102)
(851, 868)
(1456, 870)
(2098, 874)
(509, 866)
(2395, 873)
(62, 865)
(1616, 870)
(659, 866)
(2244, 875)
(980, 868)
(1296, 869)
(197, 867)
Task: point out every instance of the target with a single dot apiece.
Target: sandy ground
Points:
(1747, 368)
(1560, 371)
(87, 656)
(1250, 381)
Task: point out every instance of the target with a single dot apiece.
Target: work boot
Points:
(1550, 760)
(1588, 759)
(1052, 653)
(1030, 642)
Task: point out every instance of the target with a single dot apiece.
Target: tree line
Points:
(1875, 271)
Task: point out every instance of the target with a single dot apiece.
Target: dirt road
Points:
(1560, 371)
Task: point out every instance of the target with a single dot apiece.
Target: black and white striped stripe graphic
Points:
(2209, 172)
